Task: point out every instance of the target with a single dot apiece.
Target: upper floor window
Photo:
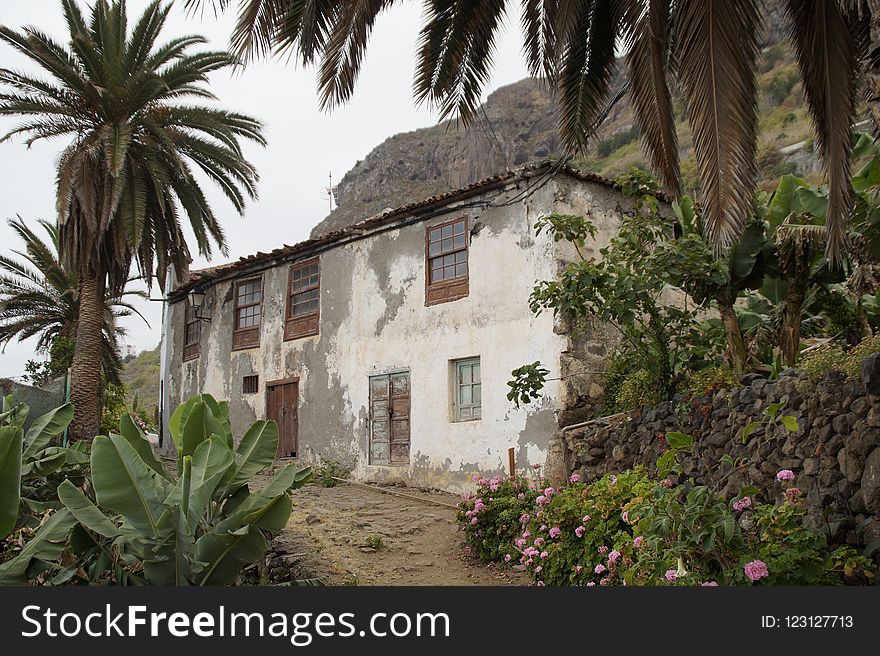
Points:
(303, 299)
(192, 332)
(467, 392)
(248, 310)
(446, 253)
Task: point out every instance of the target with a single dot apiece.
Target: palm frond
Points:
(716, 50)
(827, 55)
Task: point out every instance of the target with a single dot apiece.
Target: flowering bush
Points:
(580, 534)
(492, 517)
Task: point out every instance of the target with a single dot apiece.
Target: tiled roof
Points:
(201, 276)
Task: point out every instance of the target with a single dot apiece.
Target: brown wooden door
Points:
(283, 408)
(389, 419)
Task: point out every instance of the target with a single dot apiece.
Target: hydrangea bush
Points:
(627, 529)
(491, 517)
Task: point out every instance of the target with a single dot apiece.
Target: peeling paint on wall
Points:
(373, 319)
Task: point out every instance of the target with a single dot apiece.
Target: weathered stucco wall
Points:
(374, 320)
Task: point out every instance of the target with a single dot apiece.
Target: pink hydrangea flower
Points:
(599, 568)
(614, 556)
(539, 542)
(585, 519)
(524, 518)
(670, 575)
(540, 584)
(637, 542)
(792, 494)
(603, 549)
(544, 554)
(507, 558)
(574, 478)
(519, 543)
(613, 479)
(579, 531)
(742, 504)
(473, 521)
(591, 584)
(625, 517)
(521, 496)
(548, 492)
(756, 570)
(543, 527)
(578, 569)
(555, 531)
(709, 584)
(785, 475)
(538, 569)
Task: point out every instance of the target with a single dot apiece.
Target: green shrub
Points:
(330, 471)
(828, 358)
(637, 389)
(708, 381)
(491, 517)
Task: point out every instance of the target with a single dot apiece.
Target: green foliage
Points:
(637, 390)
(329, 471)
(607, 146)
(780, 86)
(113, 406)
(710, 380)
(41, 372)
(376, 542)
(527, 383)
(491, 518)
(31, 465)
(145, 525)
(833, 357)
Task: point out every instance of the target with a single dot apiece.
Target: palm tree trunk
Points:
(865, 330)
(85, 371)
(790, 336)
(736, 343)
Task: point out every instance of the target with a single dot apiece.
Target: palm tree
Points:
(38, 298)
(710, 47)
(128, 172)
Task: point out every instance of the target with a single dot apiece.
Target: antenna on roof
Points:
(330, 193)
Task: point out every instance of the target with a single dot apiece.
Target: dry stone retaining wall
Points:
(835, 454)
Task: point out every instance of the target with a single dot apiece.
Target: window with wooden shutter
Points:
(303, 300)
(446, 262)
(467, 390)
(192, 332)
(248, 313)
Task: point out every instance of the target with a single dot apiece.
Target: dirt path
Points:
(351, 535)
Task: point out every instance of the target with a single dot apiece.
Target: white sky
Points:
(304, 143)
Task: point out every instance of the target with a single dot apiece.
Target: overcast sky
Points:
(305, 145)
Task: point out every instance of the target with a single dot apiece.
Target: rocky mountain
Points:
(518, 124)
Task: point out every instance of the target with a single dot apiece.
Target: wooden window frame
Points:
(453, 289)
(191, 349)
(248, 337)
(303, 325)
(456, 390)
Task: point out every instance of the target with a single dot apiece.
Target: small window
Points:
(303, 300)
(250, 384)
(248, 311)
(446, 253)
(467, 393)
(192, 332)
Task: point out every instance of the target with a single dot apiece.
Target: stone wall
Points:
(835, 454)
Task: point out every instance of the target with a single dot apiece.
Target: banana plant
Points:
(199, 526)
(29, 459)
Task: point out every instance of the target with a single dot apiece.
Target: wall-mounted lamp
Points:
(197, 299)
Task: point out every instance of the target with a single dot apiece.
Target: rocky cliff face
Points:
(516, 125)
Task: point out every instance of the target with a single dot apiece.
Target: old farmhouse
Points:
(387, 346)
